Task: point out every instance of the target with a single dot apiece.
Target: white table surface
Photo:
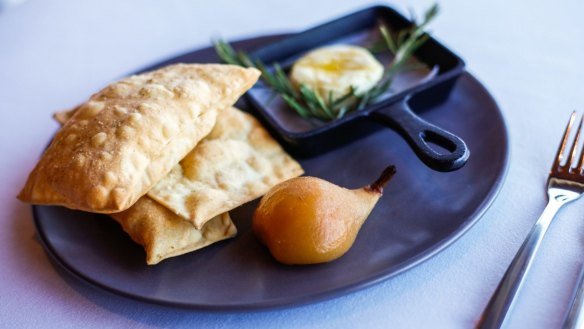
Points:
(54, 54)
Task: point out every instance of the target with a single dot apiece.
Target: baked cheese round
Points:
(334, 69)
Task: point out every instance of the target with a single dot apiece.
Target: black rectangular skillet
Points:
(307, 138)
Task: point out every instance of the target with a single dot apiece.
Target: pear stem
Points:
(386, 175)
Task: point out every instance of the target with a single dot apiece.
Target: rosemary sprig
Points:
(307, 102)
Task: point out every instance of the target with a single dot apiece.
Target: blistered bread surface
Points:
(236, 163)
(128, 136)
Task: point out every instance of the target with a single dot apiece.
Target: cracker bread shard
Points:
(128, 136)
(164, 234)
(236, 163)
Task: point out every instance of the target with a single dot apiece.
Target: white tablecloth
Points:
(529, 54)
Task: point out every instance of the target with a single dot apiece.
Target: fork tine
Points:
(581, 162)
(560, 154)
(574, 151)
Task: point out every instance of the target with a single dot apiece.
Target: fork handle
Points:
(575, 317)
(503, 299)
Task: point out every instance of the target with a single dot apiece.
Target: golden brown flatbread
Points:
(164, 234)
(128, 136)
(236, 163)
(160, 232)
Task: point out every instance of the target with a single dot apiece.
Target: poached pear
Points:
(308, 220)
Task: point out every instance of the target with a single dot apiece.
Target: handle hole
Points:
(438, 143)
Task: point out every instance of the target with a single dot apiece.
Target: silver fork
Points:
(565, 184)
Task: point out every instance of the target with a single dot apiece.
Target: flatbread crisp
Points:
(236, 163)
(164, 234)
(128, 136)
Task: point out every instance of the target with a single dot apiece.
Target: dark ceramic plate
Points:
(421, 213)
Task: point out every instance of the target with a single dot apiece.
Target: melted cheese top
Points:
(334, 69)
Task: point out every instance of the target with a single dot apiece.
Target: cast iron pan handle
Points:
(419, 133)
